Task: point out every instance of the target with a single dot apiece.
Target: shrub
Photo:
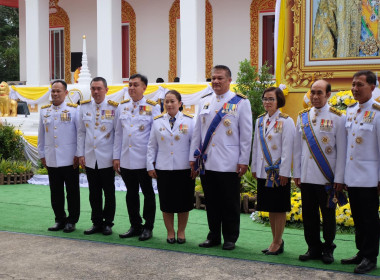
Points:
(11, 143)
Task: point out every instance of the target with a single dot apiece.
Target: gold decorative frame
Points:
(174, 14)
(295, 73)
(60, 18)
(128, 15)
(256, 7)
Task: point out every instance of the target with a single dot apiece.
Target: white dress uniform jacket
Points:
(363, 146)
(330, 133)
(97, 124)
(279, 136)
(132, 132)
(231, 143)
(170, 148)
(57, 134)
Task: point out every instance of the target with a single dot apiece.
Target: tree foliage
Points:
(252, 82)
(9, 44)
(11, 146)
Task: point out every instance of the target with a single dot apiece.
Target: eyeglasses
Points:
(269, 100)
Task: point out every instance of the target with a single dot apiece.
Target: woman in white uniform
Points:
(168, 162)
(271, 164)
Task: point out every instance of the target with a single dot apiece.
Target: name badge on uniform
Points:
(368, 116)
(145, 110)
(229, 109)
(206, 106)
(183, 128)
(326, 125)
(65, 116)
(278, 126)
(108, 114)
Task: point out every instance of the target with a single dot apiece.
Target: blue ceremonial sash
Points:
(322, 162)
(272, 170)
(200, 154)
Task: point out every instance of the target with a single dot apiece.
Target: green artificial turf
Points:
(26, 208)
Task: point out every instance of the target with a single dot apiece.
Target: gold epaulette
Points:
(303, 111)
(85, 101)
(283, 115)
(241, 95)
(263, 114)
(46, 106)
(376, 106)
(208, 94)
(335, 111)
(113, 103)
(125, 101)
(159, 116)
(72, 105)
(151, 102)
(188, 115)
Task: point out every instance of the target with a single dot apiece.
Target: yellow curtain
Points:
(114, 89)
(32, 140)
(185, 88)
(32, 93)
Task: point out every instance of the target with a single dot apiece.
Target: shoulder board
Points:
(125, 101)
(72, 105)
(85, 101)
(159, 116)
(151, 102)
(353, 105)
(335, 111)
(113, 103)
(376, 106)
(241, 95)
(263, 114)
(303, 111)
(208, 94)
(46, 106)
(283, 115)
(188, 115)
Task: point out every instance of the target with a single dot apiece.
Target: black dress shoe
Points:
(328, 254)
(365, 266)
(310, 255)
(107, 230)
(170, 240)
(181, 240)
(209, 243)
(353, 260)
(228, 245)
(279, 251)
(93, 229)
(131, 233)
(265, 250)
(145, 235)
(57, 227)
(69, 227)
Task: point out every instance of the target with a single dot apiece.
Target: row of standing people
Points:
(219, 145)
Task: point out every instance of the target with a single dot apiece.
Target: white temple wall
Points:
(231, 20)
(83, 21)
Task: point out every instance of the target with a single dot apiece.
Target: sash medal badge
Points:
(108, 114)
(65, 116)
(183, 128)
(368, 116)
(145, 110)
(278, 127)
(326, 125)
(229, 109)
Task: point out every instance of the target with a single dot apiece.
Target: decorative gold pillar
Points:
(58, 18)
(128, 15)
(209, 40)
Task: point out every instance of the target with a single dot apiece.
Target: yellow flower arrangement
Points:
(341, 100)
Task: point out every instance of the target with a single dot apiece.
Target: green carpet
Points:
(26, 208)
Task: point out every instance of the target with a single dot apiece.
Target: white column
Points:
(192, 41)
(37, 42)
(109, 40)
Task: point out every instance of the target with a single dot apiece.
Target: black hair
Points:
(143, 78)
(370, 76)
(60, 81)
(99, 79)
(223, 67)
(177, 96)
(279, 95)
(159, 80)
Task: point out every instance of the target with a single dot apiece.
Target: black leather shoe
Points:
(310, 255)
(279, 251)
(181, 240)
(57, 227)
(93, 229)
(145, 235)
(265, 250)
(209, 243)
(328, 254)
(365, 266)
(170, 240)
(353, 260)
(228, 245)
(131, 233)
(107, 230)
(69, 227)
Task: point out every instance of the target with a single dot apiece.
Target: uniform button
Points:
(352, 146)
(56, 146)
(171, 134)
(216, 111)
(97, 118)
(94, 137)
(133, 116)
(351, 158)
(131, 125)
(213, 133)
(353, 134)
(311, 157)
(96, 127)
(130, 146)
(171, 153)
(129, 135)
(356, 121)
(55, 136)
(94, 147)
(55, 118)
(55, 127)
(213, 144)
